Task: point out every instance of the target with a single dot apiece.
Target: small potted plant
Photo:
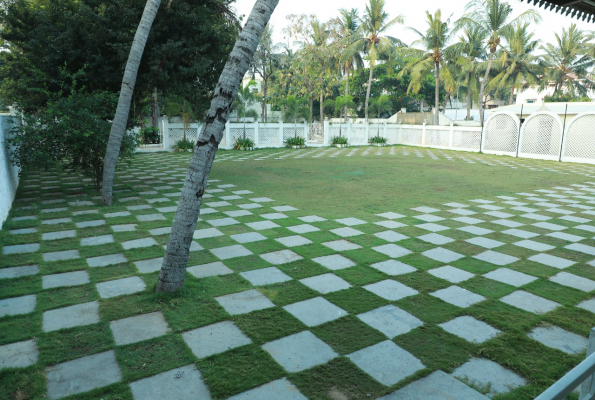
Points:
(295, 142)
(378, 141)
(243, 144)
(184, 145)
(339, 141)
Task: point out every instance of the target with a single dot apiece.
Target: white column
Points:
(385, 129)
(281, 134)
(367, 132)
(227, 136)
(165, 135)
(326, 132)
(451, 135)
(423, 135)
(255, 134)
(305, 132)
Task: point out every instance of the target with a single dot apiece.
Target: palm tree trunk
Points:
(511, 95)
(368, 90)
(437, 96)
(264, 100)
(348, 67)
(129, 80)
(173, 270)
(468, 98)
(483, 86)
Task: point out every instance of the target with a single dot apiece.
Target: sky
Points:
(414, 16)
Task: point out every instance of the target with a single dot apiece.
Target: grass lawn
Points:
(322, 248)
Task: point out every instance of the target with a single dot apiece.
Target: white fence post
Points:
(588, 386)
(451, 136)
(349, 131)
(423, 135)
(306, 131)
(281, 134)
(385, 129)
(367, 130)
(327, 130)
(256, 134)
(165, 134)
(228, 144)
(400, 139)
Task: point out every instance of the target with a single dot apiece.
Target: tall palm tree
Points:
(518, 66)
(371, 40)
(568, 62)
(495, 16)
(351, 57)
(471, 55)
(432, 56)
(173, 269)
(128, 82)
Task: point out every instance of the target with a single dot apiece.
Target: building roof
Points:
(579, 9)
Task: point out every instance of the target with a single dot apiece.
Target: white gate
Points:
(501, 134)
(579, 141)
(541, 136)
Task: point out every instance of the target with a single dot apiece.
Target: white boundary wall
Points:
(9, 174)
(543, 135)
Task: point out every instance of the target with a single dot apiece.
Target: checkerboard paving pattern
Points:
(286, 297)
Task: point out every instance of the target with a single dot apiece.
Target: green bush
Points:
(295, 141)
(184, 145)
(378, 140)
(339, 140)
(243, 144)
(70, 133)
(149, 135)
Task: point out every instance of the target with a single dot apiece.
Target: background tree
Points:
(380, 106)
(265, 64)
(351, 57)
(432, 57)
(495, 16)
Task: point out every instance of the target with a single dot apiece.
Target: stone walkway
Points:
(70, 266)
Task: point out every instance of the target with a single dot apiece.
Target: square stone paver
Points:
(484, 373)
(485, 242)
(529, 302)
(20, 248)
(510, 277)
(520, 233)
(65, 279)
(507, 223)
(429, 217)
(244, 302)
(392, 250)
(103, 261)
(248, 237)
(341, 245)
(166, 230)
(435, 238)
(326, 283)
(97, 240)
(351, 221)
(391, 290)
(493, 257)
(432, 227)
(68, 317)
(151, 217)
(207, 233)
(425, 210)
(281, 257)
(187, 384)
(390, 215)
(581, 248)
(438, 382)
(138, 328)
(386, 362)
(261, 200)
(59, 221)
(148, 266)
(88, 224)
(19, 354)
(82, 375)
(390, 224)
(442, 255)
(124, 228)
(262, 225)
(17, 272)
(468, 220)
(334, 262)
(451, 274)
(470, 329)
(573, 281)
(550, 226)
(23, 231)
(346, 232)
(225, 253)
(475, 230)
(551, 261)
(265, 276)
(61, 255)
(533, 245)
(390, 320)
(312, 218)
(120, 287)
(393, 267)
(293, 241)
(316, 311)
(565, 236)
(279, 389)
(282, 208)
(391, 236)
(588, 305)
(58, 235)
(223, 222)
(18, 305)
(300, 351)
(274, 216)
(558, 338)
(250, 206)
(138, 243)
(458, 296)
(210, 269)
(237, 213)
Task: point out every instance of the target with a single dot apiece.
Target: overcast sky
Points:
(414, 16)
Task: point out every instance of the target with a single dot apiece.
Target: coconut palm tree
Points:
(517, 65)
(351, 57)
(568, 63)
(244, 98)
(173, 269)
(495, 16)
(431, 57)
(371, 40)
(128, 81)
